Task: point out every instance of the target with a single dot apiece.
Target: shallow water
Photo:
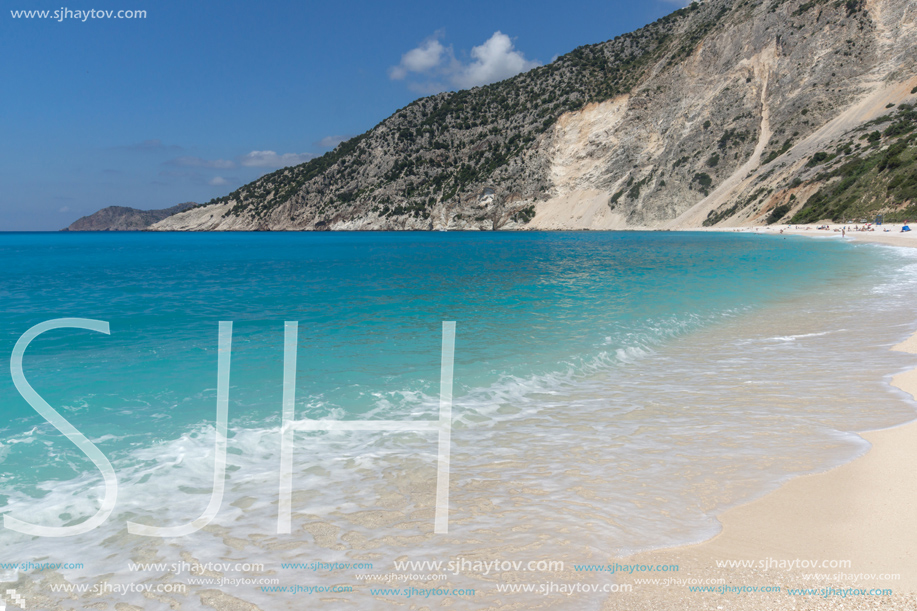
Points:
(613, 392)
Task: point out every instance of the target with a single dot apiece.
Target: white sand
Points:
(864, 512)
(890, 234)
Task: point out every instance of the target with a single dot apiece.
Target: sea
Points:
(612, 392)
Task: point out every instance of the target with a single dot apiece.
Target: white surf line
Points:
(290, 425)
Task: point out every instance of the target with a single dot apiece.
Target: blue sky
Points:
(198, 98)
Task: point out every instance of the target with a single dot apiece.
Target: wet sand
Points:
(854, 522)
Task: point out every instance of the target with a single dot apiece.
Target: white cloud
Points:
(493, 61)
(270, 159)
(197, 162)
(65, 209)
(424, 58)
(218, 181)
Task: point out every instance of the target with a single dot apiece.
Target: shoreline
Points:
(858, 516)
(893, 237)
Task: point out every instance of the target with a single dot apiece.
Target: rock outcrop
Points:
(120, 218)
(725, 112)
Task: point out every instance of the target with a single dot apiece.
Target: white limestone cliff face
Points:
(596, 151)
(720, 126)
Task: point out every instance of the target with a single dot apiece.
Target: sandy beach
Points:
(889, 234)
(846, 535)
(646, 452)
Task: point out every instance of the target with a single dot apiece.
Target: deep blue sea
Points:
(613, 391)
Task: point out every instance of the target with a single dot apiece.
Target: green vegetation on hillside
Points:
(445, 145)
(879, 177)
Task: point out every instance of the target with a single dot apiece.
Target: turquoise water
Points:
(369, 307)
(599, 378)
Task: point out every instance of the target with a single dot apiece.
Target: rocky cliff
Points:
(725, 112)
(120, 218)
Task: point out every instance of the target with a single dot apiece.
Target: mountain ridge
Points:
(711, 115)
(122, 218)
